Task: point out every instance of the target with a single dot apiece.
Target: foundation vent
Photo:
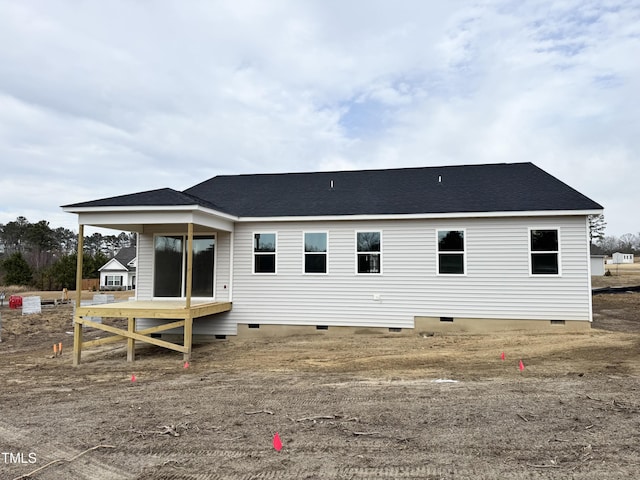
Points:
(395, 330)
(322, 327)
(557, 322)
(446, 319)
(254, 325)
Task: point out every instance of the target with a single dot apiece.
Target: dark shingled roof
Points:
(454, 189)
(163, 197)
(125, 255)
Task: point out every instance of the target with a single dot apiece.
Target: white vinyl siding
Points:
(496, 284)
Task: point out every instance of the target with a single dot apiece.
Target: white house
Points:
(622, 258)
(476, 248)
(119, 273)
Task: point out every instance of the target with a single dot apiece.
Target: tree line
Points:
(36, 255)
(607, 245)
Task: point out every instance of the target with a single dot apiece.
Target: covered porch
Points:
(154, 301)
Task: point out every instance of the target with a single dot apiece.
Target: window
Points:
(171, 266)
(315, 252)
(264, 253)
(451, 252)
(113, 280)
(544, 249)
(368, 252)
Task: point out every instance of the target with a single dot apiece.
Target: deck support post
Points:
(188, 338)
(77, 343)
(77, 327)
(131, 343)
(188, 321)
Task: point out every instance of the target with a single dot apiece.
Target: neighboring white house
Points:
(476, 247)
(621, 258)
(119, 273)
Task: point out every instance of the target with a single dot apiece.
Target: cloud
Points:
(101, 99)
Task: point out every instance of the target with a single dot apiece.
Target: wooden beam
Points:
(152, 309)
(79, 265)
(146, 331)
(189, 264)
(77, 342)
(136, 336)
(131, 343)
(188, 321)
(188, 338)
(77, 327)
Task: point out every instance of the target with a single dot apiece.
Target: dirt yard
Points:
(360, 407)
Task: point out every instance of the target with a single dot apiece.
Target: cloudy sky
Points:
(106, 98)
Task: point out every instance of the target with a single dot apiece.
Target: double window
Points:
(113, 280)
(544, 248)
(315, 252)
(264, 252)
(369, 252)
(171, 266)
(451, 252)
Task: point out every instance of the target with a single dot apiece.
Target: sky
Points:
(99, 99)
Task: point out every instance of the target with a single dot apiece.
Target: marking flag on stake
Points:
(502, 356)
(277, 444)
(186, 364)
(133, 377)
(521, 366)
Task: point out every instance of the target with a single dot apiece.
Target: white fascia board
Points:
(134, 218)
(424, 216)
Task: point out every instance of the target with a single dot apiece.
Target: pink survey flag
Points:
(277, 444)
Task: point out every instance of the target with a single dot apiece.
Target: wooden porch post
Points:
(131, 343)
(188, 321)
(77, 327)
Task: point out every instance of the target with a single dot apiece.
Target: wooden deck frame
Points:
(183, 311)
(131, 310)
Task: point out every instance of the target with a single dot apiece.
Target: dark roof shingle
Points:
(453, 189)
(509, 187)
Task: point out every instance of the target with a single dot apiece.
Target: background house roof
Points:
(453, 189)
(124, 256)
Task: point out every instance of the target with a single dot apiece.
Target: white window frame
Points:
(380, 253)
(463, 253)
(254, 253)
(113, 284)
(184, 263)
(305, 253)
(531, 252)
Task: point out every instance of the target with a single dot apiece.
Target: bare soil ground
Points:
(357, 407)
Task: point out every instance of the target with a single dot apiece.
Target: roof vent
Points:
(331, 185)
(439, 178)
